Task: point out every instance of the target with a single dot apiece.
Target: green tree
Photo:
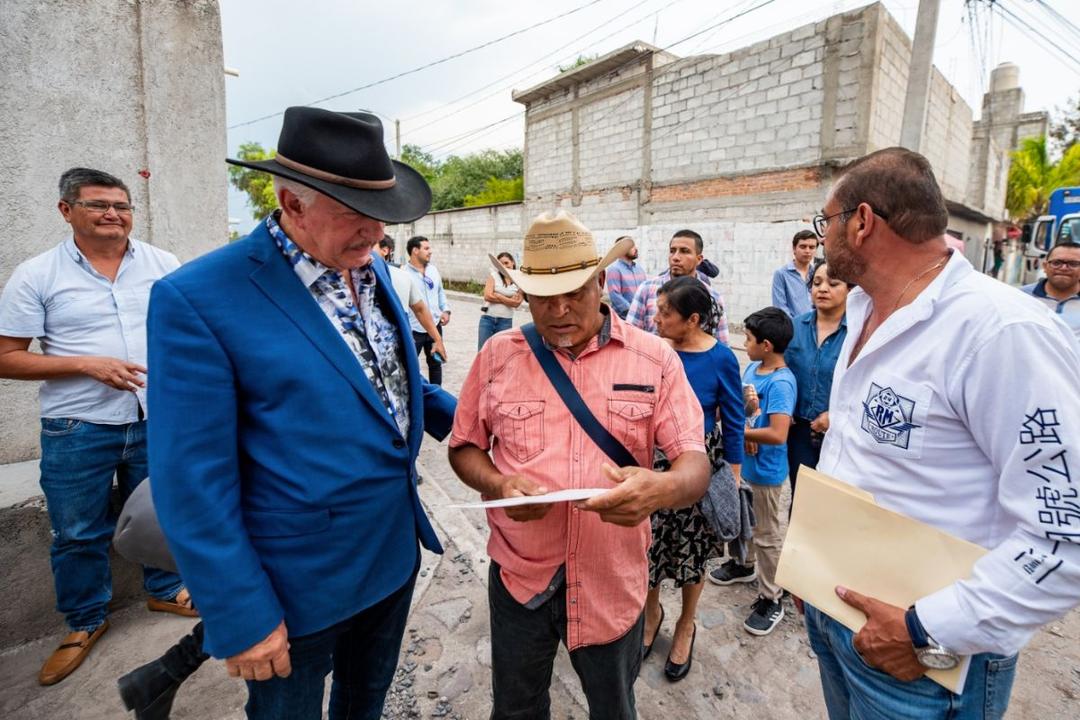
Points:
(581, 60)
(1033, 176)
(1065, 129)
(498, 190)
(461, 176)
(258, 185)
(422, 162)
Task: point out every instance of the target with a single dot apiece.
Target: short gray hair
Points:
(303, 193)
(78, 177)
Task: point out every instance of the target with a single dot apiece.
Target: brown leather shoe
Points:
(179, 605)
(69, 655)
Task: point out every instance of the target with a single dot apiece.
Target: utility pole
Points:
(919, 75)
(397, 138)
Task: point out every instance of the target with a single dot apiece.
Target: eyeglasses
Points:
(430, 283)
(821, 221)
(1062, 264)
(100, 206)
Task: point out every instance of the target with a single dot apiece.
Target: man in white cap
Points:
(573, 572)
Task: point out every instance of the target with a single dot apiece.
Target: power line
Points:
(433, 63)
(1058, 16)
(525, 67)
(1016, 21)
(629, 62)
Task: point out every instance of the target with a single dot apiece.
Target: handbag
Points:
(574, 403)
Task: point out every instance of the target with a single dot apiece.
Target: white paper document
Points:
(552, 497)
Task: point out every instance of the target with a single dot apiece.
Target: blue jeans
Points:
(491, 325)
(855, 691)
(78, 462)
(362, 652)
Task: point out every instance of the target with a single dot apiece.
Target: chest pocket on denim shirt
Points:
(519, 426)
(631, 422)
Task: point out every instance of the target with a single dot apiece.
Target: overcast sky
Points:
(293, 53)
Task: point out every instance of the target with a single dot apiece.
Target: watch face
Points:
(937, 659)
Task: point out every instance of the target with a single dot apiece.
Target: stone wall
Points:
(462, 239)
(119, 85)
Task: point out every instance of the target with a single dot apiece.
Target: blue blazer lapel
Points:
(283, 288)
(384, 287)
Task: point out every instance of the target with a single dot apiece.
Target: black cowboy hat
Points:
(342, 155)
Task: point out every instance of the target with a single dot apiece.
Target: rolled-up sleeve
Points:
(1019, 397)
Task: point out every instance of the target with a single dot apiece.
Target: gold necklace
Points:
(915, 279)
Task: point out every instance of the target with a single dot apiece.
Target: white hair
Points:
(303, 193)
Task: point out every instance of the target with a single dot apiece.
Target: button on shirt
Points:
(1067, 309)
(789, 291)
(642, 313)
(508, 405)
(962, 411)
(622, 283)
(429, 283)
(73, 310)
(812, 364)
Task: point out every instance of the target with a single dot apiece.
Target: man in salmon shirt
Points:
(573, 572)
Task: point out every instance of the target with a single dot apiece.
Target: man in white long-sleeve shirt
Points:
(920, 418)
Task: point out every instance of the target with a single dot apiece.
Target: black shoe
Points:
(149, 690)
(766, 616)
(648, 648)
(732, 572)
(674, 672)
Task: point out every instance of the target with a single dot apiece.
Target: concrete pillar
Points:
(918, 88)
(119, 85)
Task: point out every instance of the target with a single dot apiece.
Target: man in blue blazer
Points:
(288, 410)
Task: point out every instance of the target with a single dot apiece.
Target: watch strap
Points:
(919, 637)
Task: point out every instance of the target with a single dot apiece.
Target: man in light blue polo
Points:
(85, 301)
(790, 291)
(426, 277)
(1060, 289)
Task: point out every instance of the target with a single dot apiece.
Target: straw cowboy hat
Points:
(559, 256)
(342, 155)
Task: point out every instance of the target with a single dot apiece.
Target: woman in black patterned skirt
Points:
(682, 539)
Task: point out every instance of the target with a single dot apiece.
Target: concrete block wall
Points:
(610, 137)
(890, 84)
(549, 157)
(947, 137)
(753, 109)
(119, 85)
(462, 239)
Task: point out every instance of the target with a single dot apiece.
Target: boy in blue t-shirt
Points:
(768, 333)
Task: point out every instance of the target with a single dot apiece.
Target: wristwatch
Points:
(930, 654)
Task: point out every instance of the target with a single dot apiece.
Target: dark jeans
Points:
(362, 652)
(523, 647)
(78, 462)
(424, 343)
(802, 449)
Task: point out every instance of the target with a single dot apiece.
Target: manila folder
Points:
(838, 535)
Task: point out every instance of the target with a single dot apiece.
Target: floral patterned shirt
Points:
(367, 331)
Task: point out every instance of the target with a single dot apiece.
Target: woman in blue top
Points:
(682, 539)
(811, 356)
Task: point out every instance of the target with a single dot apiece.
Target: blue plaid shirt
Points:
(642, 312)
(622, 283)
(366, 330)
